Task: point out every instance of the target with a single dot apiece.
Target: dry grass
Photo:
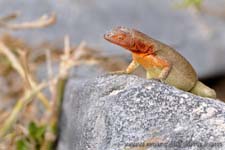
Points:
(24, 124)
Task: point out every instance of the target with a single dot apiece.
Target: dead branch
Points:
(42, 22)
(9, 17)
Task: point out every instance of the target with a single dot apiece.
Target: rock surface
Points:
(114, 112)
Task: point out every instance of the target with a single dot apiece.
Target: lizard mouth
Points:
(108, 35)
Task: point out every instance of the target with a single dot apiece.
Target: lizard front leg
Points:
(132, 66)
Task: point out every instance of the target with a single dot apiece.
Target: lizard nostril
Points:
(109, 34)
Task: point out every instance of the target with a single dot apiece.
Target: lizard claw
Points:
(159, 80)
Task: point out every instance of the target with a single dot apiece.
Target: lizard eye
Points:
(120, 37)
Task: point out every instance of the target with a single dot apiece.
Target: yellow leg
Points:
(132, 66)
(149, 74)
(154, 73)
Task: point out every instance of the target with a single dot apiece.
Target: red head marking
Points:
(130, 39)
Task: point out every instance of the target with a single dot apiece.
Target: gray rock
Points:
(200, 38)
(112, 112)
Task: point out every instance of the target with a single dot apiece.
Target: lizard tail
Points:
(203, 90)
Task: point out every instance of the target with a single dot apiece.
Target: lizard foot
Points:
(117, 72)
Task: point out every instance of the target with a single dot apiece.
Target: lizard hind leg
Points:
(203, 90)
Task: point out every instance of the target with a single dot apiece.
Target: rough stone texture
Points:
(199, 38)
(111, 111)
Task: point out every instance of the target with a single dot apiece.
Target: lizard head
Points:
(130, 39)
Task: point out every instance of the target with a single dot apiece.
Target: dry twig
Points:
(43, 21)
(9, 17)
(18, 67)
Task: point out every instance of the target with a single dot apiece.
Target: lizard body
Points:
(159, 60)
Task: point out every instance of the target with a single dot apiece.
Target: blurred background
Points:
(195, 28)
(197, 32)
(198, 35)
